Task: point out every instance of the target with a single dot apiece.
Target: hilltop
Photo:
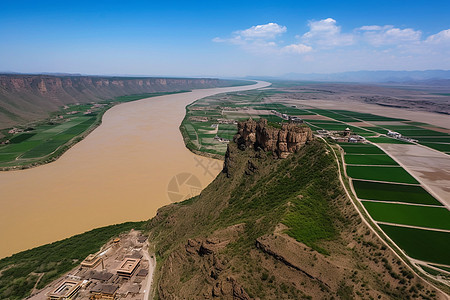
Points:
(270, 228)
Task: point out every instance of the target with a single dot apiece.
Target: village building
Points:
(104, 291)
(347, 132)
(394, 134)
(128, 267)
(91, 261)
(66, 290)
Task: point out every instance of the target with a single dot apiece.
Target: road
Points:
(151, 269)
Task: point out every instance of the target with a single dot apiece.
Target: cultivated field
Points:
(388, 191)
(46, 140)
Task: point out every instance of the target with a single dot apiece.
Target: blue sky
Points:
(223, 38)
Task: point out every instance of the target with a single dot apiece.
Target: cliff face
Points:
(26, 98)
(281, 141)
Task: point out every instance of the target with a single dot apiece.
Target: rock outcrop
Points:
(289, 138)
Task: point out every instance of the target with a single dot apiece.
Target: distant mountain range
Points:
(368, 76)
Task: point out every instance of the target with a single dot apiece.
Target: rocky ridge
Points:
(25, 98)
(281, 141)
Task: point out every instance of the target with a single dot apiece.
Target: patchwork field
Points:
(43, 141)
(369, 159)
(426, 245)
(377, 178)
(224, 111)
(413, 215)
(380, 173)
(362, 149)
(393, 193)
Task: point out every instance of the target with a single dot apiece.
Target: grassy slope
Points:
(248, 198)
(260, 202)
(19, 272)
(301, 192)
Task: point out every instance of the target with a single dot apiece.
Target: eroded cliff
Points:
(289, 138)
(26, 98)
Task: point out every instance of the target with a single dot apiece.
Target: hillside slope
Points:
(268, 228)
(25, 98)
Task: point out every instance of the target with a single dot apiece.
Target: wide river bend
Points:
(120, 172)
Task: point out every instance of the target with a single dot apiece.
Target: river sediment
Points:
(132, 164)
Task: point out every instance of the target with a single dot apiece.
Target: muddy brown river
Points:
(120, 172)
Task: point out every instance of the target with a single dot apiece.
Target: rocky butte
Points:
(280, 141)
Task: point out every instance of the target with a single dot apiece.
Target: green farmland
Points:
(202, 117)
(393, 192)
(46, 140)
(362, 149)
(369, 159)
(428, 245)
(379, 173)
(413, 215)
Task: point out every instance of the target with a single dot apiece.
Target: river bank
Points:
(120, 172)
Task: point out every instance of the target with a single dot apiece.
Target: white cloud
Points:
(374, 27)
(326, 33)
(388, 35)
(296, 49)
(370, 27)
(326, 44)
(266, 31)
(263, 39)
(442, 37)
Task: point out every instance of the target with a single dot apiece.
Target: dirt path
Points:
(151, 269)
(411, 226)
